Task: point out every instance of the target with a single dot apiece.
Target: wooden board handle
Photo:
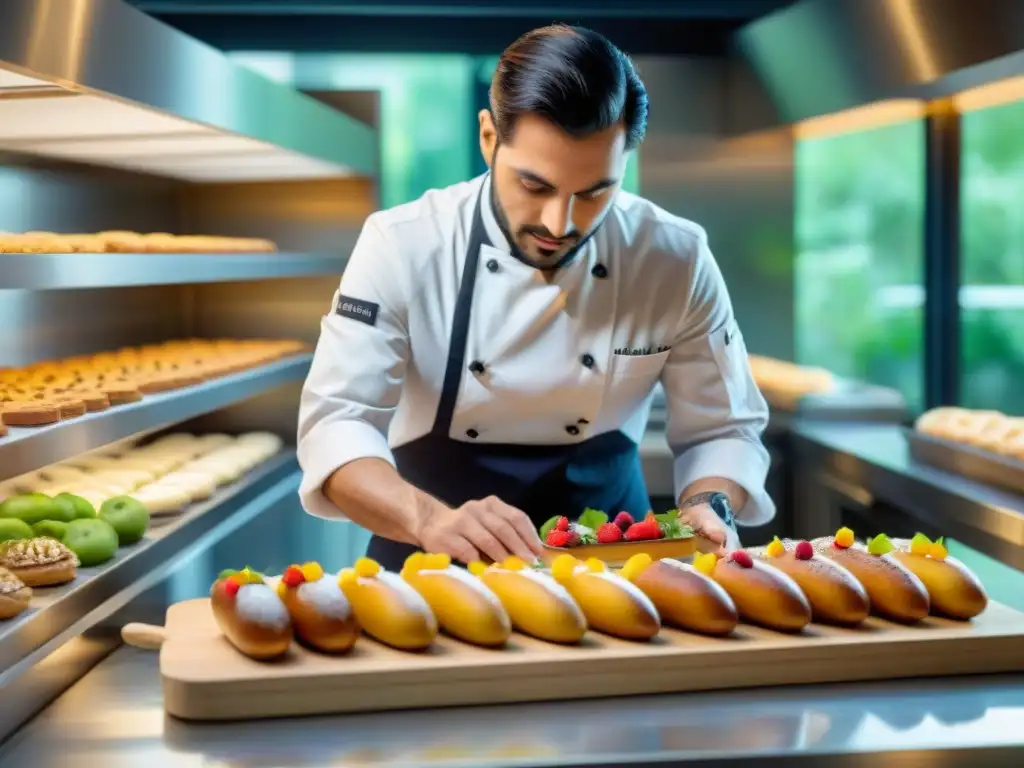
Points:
(145, 636)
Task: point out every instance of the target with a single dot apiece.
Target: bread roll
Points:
(464, 606)
(894, 591)
(14, 595)
(683, 596)
(387, 608)
(954, 591)
(39, 562)
(763, 594)
(251, 615)
(835, 595)
(610, 603)
(322, 617)
(537, 604)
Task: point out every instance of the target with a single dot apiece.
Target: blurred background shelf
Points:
(26, 449)
(58, 271)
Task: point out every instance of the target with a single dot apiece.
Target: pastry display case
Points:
(176, 227)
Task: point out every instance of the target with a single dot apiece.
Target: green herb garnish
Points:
(549, 526)
(592, 519)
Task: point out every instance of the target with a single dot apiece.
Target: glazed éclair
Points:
(835, 595)
(250, 614)
(763, 594)
(322, 617)
(536, 604)
(895, 592)
(684, 597)
(387, 607)
(610, 603)
(465, 607)
(955, 592)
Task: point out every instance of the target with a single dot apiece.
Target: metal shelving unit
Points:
(29, 448)
(62, 271)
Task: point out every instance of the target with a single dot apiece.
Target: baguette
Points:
(251, 615)
(464, 606)
(610, 603)
(683, 596)
(895, 592)
(763, 594)
(835, 595)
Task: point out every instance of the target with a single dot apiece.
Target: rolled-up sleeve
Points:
(355, 381)
(716, 414)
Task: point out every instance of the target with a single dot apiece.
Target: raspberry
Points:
(574, 537)
(803, 550)
(742, 559)
(293, 576)
(644, 531)
(609, 533)
(623, 520)
(557, 538)
(231, 587)
(562, 524)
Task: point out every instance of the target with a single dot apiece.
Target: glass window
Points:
(992, 259)
(859, 212)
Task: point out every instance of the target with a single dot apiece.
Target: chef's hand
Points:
(488, 527)
(705, 522)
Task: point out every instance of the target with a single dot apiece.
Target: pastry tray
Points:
(967, 461)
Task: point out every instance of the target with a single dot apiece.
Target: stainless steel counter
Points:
(113, 717)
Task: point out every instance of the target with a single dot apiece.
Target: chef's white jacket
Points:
(661, 312)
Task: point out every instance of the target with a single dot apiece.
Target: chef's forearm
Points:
(371, 493)
(736, 493)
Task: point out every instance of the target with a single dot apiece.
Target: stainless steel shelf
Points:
(28, 449)
(60, 271)
(55, 612)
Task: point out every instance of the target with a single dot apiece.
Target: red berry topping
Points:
(623, 520)
(292, 576)
(562, 524)
(803, 550)
(231, 587)
(609, 533)
(644, 531)
(742, 559)
(557, 538)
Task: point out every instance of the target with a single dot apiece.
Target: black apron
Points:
(601, 472)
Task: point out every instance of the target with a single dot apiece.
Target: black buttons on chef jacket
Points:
(587, 360)
(573, 430)
(599, 271)
(472, 434)
(492, 265)
(477, 367)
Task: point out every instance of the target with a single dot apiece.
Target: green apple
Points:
(128, 516)
(79, 508)
(55, 529)
(11, 528)
(93, 541)
(32, 507)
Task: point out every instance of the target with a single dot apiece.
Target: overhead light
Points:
(861, 118)
(990, 95)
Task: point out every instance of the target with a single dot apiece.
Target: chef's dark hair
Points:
(573, 77)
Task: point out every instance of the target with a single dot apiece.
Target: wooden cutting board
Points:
(205, 678)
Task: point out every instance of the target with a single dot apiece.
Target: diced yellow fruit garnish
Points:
(920, 544)
(282, 589)
(844, 538)
(414, 562)
(476, 568)
(513, 563)
(636, 565)
(311, 571)
(938, 551)
(595, 566)
(347, 577)
(705, 562)
(249, 576)
(775, 548)
(437, 562)
(563, 567)
(367, 568)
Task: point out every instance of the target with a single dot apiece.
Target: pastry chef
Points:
(490, 356)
